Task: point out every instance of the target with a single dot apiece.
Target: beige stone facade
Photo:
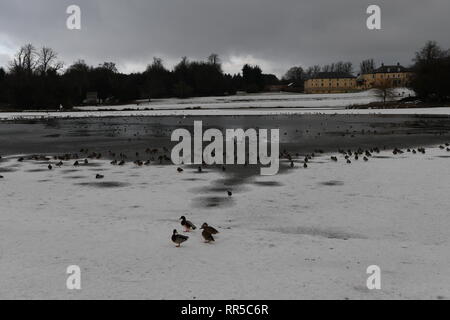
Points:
(397, 76)
(334, 82)
(330, 82)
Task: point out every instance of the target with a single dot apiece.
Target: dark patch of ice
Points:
(213, 202)
(69, 171)
(52, 136)
(104, 184)
(193, 179)
(332, 183)
(317, 232)
(268, 183)
(36, 170)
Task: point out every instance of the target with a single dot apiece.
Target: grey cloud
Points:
(281, 33)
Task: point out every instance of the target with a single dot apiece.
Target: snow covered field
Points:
(262, 101)
(262, 104)
(306, 233)
(231, 112)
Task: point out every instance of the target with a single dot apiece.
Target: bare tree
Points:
(48, 61)
(384, 90)
(340, 67)
(347, 67)
(214, 59)
(327, 68)
(312, 71)
(25, 60)
(367, 66)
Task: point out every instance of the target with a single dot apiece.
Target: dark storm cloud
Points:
(275, 34)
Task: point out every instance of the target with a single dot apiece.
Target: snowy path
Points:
(303, 234)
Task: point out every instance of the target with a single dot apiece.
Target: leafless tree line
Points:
(35, 61)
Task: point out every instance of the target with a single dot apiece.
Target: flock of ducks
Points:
(160, 156)
(354, 155)
(188, 226)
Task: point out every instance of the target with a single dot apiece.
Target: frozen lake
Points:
(304, 234)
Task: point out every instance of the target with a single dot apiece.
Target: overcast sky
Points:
(274, 34)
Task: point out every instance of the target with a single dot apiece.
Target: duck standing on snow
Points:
(209, 229)
(178, 239)
(207, 236)
(187, 224)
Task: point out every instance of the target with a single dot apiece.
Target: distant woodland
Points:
(36, 79)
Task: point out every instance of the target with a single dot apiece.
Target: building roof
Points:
(391, 69)
(333, 75)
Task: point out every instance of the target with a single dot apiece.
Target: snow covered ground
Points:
(262, 101)
(263, 104)
(306, 233)
(231, 112)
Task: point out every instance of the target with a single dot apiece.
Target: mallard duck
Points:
(187, 224)
(230, 193)
(178, 239)
(207, 236)
(50, 167)
(209, 229)
(99, 176)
